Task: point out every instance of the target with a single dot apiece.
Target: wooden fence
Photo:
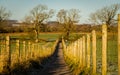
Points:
(84, 51)
(18, 51)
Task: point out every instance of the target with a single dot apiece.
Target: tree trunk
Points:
(36, 35)
(36, 32)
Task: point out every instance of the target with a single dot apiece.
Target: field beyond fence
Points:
(94, 53)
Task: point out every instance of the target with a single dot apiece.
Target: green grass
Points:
(30, 35)
(49, 35)
(111, 48)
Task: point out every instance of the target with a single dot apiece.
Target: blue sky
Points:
(20, 8)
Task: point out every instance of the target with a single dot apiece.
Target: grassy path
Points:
(57, 66)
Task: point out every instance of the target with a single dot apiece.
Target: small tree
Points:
(67, 18)
(106, 14)
(38, 15)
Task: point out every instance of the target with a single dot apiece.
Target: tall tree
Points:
(67, 18)
(27, 20)
(38, 15)
(105, 15)
(4, 14)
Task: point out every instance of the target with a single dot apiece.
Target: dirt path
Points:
(54, 65)
(57, 66)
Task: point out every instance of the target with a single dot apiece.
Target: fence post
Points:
(78, 48)
(118, 44)
(24, 52)
(81, 52)
(28, 55)
(88, 51)
(73, 49)
(94, 51)
(75, 45)
(78, 51)
(84, 53)
(104, 49)
(8, 64)
(35, 47)
(18, 50)
(32, 49)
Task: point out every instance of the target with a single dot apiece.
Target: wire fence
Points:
(95, 53)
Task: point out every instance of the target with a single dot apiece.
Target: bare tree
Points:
(38, 15)
(67, 18)
(4, 14)
(27, 20)
(105, 15)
